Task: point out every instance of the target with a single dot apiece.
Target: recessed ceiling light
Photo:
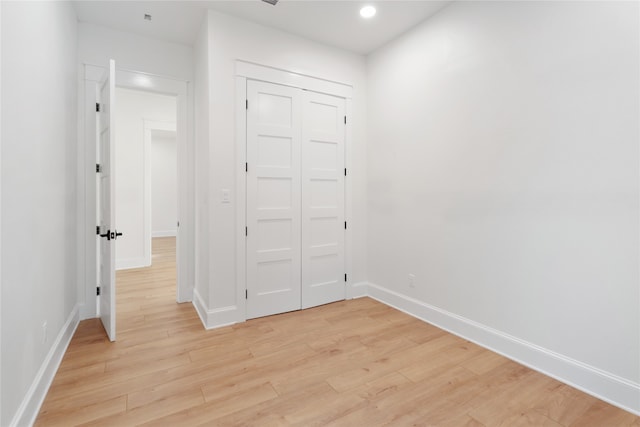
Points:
(368, 12)
(147, 17)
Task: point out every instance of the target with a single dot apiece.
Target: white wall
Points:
(39, 82)
(164, 184)
(503, 173)
(96, 45)
(230, 39)
(133, 108)
(0, 212)
(202, 141)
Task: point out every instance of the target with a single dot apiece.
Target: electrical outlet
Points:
(412, 280)
(44, 332)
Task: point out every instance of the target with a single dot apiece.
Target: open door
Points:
(108, 233)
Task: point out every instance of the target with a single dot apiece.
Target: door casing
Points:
(183, 90)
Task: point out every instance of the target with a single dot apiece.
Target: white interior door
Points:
(107, 204)
(273, 199)
(323, 210)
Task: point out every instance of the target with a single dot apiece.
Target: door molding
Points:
(246, 70)
(148, 126)
(265, 73)
(183, 90)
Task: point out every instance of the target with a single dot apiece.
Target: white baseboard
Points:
(603, 385)
(84, 312)
(164, 233)
(30, 406)
(216, 317)
(129, 263)
(357, 290)
(201, 307)
(185, 294)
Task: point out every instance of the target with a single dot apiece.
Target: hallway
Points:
(96, 376)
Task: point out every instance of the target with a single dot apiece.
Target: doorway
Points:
(145, 173)
(182, 126)
(146, 201)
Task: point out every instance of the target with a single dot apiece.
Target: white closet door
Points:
(323, 227)
(273, 199)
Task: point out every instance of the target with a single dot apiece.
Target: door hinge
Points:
(246, 231)
(345, 171)
(345, 120)
(246, 167)
(345, 225)
(97, 107)
(98, 230)
(246, 294)
(246, 105)
(178, 224)
(98, 168)
(345, 277)
(98, 291)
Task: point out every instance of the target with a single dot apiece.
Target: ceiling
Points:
(332, 22)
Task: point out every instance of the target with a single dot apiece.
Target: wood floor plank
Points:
(602, 414)
(208, 412)
(351, 363)
(564, 404)
(273, 412)
(382, 387)
(85, 414)
(155, 410)
(484, 362)
(518, 398)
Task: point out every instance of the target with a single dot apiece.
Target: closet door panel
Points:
(323, 236)
(273, 199)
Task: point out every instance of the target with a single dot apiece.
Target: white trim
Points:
(217, 317)
(200, 306)
(603, 385)
(0, 209)
(164, 233)
(149, 125)
(1, 287)
(30, 406)
(357, 290)
(279, 76)
(348, 201)
(241, 195)
(129, 263)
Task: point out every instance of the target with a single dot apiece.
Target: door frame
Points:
(246, 70)
(149, 126)
(131, 79)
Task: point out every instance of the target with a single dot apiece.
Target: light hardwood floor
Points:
(351, 363)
